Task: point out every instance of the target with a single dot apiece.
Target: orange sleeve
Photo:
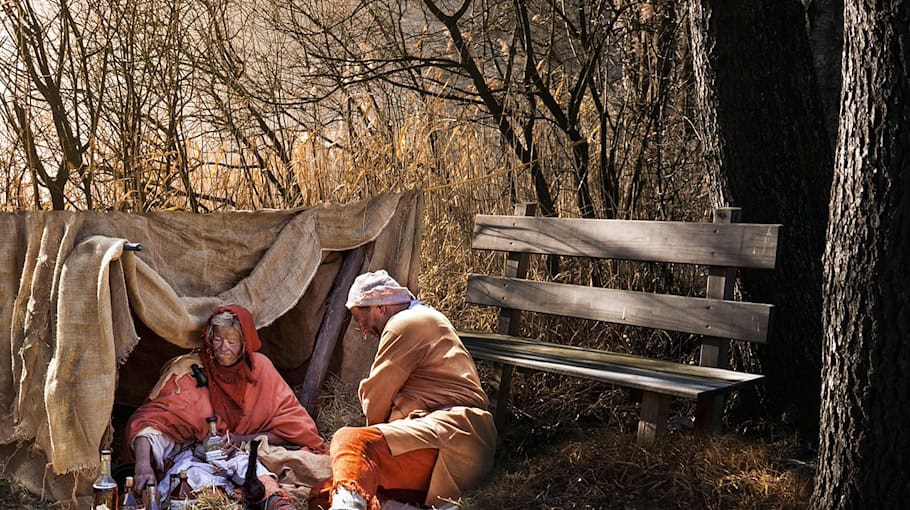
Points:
(179, 411)
(401, 350)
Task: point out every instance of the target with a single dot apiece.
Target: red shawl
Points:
(248, 398)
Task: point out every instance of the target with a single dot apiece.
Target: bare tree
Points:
(545, 75)
(55, 106)
(101, 96)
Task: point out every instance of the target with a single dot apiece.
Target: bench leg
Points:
(652, 422)
(500, 386)
(709, 414)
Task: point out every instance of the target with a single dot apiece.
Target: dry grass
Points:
(603, 468)
(337, 406)
(14, 497)
(572, 445)
(557, 462)
(215, 501)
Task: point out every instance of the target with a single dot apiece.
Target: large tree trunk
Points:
(767, 151)
(864, 451)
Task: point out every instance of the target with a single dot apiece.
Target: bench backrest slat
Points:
(742, 245)
(714, 317)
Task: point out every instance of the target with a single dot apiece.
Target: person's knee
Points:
(357, 439)
(345, 434)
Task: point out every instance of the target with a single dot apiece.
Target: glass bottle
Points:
(181, 493)
(213, 442)
(104, 488)
(151, 499)
(129, 501)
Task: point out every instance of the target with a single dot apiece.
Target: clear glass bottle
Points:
(104, 488)
(151, 499)
(129, 501)
(181, 493)
(212, 444)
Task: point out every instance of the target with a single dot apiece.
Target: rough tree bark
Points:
(864, 451)
(766, 150)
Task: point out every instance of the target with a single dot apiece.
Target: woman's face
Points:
(227, 345)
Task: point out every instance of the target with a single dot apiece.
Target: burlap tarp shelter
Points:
(84, 323)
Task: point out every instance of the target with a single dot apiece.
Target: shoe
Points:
(280, 500)
(343, 499)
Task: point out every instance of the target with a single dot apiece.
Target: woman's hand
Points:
(236, 440)
(144, 474)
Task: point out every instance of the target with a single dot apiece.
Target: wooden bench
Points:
(722, 246)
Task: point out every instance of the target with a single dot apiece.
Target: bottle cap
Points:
(210, 419)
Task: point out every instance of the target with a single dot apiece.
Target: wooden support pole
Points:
(333, 325)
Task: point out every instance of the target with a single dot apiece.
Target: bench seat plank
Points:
(712, 244)
(700, 316)
(665, 377)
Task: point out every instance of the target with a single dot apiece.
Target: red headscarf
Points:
(227, 385)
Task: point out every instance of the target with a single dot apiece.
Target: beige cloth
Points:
(69, 294)
(423, 391)
(297, 470)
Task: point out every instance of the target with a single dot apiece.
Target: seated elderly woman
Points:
(243, 391)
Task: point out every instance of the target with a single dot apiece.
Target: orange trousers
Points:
(363, 463)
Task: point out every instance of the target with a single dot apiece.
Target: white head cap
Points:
(378, 288)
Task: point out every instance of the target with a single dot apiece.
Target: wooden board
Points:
(712, 317)
(733, 245)
(665, 377)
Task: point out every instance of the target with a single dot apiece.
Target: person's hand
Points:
(231, 443)
(234, 441)
(143, 476)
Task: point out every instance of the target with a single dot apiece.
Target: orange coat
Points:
(178, 408)
(423, 391)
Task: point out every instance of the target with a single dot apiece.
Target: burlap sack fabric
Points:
(70, 297)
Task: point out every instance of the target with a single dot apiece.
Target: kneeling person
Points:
(429, 436)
